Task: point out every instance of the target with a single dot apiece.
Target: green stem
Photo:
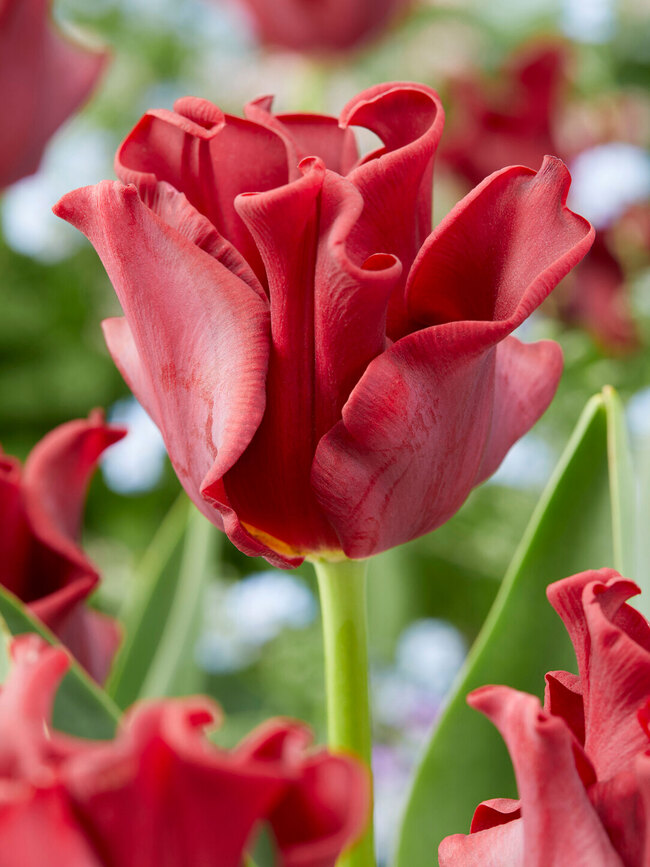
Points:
(342, 587)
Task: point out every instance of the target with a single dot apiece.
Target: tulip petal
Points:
(396, 181)
(563, 698)
(196, 345)
(328, 315)
(307, 135)
(211, 157)
(612, 644)
(523, 241)
(500, 846)
(436, 412)
(550, 768)
(15, 536)
(44, 78)
(57, 575)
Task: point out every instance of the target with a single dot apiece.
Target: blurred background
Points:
(518, 79)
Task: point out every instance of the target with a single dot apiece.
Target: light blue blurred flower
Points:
(527, 466)
(592, 21)
(135, 464)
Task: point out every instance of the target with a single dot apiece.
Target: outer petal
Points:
(642, 772)
(15, 535)
(551, 772)
(326, 807)
(209, 156)
(57, 576)
(195, 344)
(434, 414)
(162, 794)
(328, 314)
(612, 644)
(396, 181)
(500, 846)
(44, 78)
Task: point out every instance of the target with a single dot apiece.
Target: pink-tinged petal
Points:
(209, 156)
(642, 772)
(496, 811)
(328, 314)
(563, 698)
(15, 536)
(44, 78)
(551, 771)
(500, 846)
(308, 135)
(523, 241)
(396, 180)
(38, 827)
(436, 412)
(195, 346)
(162, 794)
(597, 299)
(619, 804)
(612, 644)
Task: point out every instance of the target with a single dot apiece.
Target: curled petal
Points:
(209, 156)
(44, 78)
(396, 180)
(328, 315)
(436, 412)
(498, 846)
(201, 374)
(563, 698)
(551, 771)
(612, 644)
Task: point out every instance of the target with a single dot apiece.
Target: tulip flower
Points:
(331, 377)
(517, 123)
(582, 761)
(321, 25)
(40, 519)
(44, 78)
(161, 793)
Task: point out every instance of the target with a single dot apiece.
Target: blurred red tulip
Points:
(582, 762)
(516, 124)
(40, 520)
(161, 793)
(321, 25)
(329, 375)
(44, 78)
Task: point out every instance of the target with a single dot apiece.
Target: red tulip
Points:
(321, 25)
(329, 375)
(40, 516)
(516, 125)
(582, 762)
(44, 78)
(161, 793)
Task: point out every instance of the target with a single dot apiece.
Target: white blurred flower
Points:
(607, 179)
(528, 464)
(429, 653)
(76, 156)
(591, 21)
(638, 414)
(134, 464)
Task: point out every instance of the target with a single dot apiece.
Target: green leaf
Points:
(81, 708)
(581, 522)
(172, 667)
(147, 610)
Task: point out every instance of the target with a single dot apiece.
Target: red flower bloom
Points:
(327, 374)
(44, 78)
(40, 516)
(321, 25)
(582, 762)
(515, 124)
(160, 793)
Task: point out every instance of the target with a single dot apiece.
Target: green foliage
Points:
(81, 708)
(578, 525)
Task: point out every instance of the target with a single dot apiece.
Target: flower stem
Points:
(342, 587)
